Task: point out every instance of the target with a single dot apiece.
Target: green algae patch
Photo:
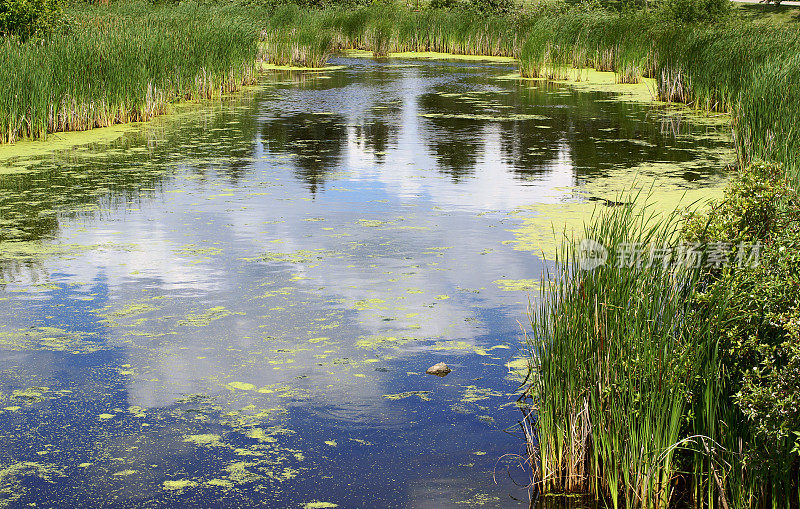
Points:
(379, 341)
(125, 473)
(179, 485)
(12, 487)
(511, 117)
(473, 394)
(365, 304)
(240, 386)
(220, 483)
(205, 440)
(591, 80)
(28, 152)
(133, 309)
(31, 394)
(319, 505)
(29, 250)
(517, 285)
(301, 256)
(48, 339)
(206, 317)
(331, 443)
(261, 435)
(105, 417)
(546, 225)
(422, 395)
(518, 369)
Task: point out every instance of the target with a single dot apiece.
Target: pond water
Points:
(235, 305)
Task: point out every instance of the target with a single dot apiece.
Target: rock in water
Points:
(439, 369)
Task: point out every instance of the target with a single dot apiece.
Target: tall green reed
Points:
(120, 66)
(625, 381)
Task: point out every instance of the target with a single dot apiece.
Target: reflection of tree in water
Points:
(314, 140)
(456, 143)
(378, 133)
(599, 134)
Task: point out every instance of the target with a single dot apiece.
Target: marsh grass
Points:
(121, 65)
(627, 396)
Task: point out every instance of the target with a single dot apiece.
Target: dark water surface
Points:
(235, 305)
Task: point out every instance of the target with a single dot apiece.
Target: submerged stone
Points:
(439, 369)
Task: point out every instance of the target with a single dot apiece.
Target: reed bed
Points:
(123, 65)
(629, 401)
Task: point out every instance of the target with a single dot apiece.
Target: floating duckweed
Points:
(205, 440)
(48, 339)
(365, 304)
(11, 486)
(222, 483)
(31, 394)
(473, 394)
(371, 342)
(242, 386)
(517, 285)
(372, 223)
(125, 473)
(490, 118)
(179, 485)
(298, 257)
(260, 435)
(518, 369)
(422, 395)
(206, 317)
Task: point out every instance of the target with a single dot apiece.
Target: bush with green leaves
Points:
(492, 6)
(759, 329)
(695, 10)
(27, 18)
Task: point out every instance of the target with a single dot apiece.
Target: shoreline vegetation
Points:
(128, 61)
(650, 386)
(674, 381)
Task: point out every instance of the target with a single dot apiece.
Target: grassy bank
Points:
(121, 64)
(129, 61)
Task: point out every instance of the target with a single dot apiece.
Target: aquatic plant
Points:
(120, 66)
(636, 364)
(609, 372)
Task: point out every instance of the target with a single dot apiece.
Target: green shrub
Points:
(760, 327)
(492, 6)
(26, 18)
(695, 10)
(442, 4)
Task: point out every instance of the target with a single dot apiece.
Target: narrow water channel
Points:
(235, 305)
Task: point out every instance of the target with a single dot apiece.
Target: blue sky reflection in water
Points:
(235, 305)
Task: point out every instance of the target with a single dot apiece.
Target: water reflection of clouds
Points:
(182, 361)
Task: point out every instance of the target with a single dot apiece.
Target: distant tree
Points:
(26, 18)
